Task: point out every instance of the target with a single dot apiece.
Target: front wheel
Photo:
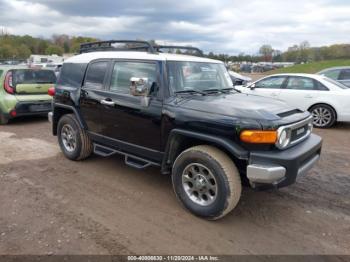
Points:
(324, 116)
(73, 140)
(206, 182)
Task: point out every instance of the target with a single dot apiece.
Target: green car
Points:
(24, 91)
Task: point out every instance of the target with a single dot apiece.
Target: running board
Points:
(130, 160)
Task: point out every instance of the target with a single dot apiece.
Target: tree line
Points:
(301, 53)
(21, 47)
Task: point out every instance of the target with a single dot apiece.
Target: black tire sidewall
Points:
(3, 119)
(333, 120)
(67, 119)
(219, 205)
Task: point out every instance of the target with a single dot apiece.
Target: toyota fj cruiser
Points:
(181, 113)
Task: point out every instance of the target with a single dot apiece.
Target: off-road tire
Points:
(326, 108)
(83, 147)
(227, 178)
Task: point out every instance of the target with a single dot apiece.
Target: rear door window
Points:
(301, 83)
(344, 74)
(96, 74)
(29, 76)
(333, 74)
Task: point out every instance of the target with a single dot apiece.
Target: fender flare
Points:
(71, 108)
(230, 146)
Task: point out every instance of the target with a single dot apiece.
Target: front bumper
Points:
(33, 108)
(280, 168)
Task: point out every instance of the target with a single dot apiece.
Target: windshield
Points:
(29, 76)
(336, 83)
(198, 76)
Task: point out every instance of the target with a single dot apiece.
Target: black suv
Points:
(181, 113)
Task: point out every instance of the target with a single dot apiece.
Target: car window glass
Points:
(95, 74)
(71, 74)
(321, 87)
(271, 82)
(300, 83)
(1, 72)
(123, 71)
(345, 74)
(29, 76)
(333, 74)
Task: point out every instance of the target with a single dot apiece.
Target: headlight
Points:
(258, 137)
(283, 137)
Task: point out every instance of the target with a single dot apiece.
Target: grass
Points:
(312, 68)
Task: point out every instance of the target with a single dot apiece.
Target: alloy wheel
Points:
(68, 136)
(322, 116)
(199, 184)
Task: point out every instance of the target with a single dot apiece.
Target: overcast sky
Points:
(230, 26)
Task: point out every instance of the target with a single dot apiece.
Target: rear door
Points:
(268, 87)
(301, 92)
(93, 92)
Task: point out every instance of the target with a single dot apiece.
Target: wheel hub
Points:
(199, 183)
(68, 137)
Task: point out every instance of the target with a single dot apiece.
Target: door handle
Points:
(308, 96)
(107, 103)
(273, 94)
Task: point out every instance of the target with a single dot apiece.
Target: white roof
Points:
(88, 57)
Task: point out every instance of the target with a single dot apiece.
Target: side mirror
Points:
(139, 86)
(252, 86)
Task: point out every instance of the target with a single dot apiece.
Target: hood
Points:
(239, 76)
(240, 105)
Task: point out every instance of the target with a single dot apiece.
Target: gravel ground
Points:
(50, 205)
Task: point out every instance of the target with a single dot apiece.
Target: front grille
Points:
(297, 132)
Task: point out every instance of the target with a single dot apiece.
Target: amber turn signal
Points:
(259, 137)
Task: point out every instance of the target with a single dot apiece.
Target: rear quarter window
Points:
(72, 75)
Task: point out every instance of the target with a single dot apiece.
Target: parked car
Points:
(326, 99)
(238, 79)
(340, 74)
(56, 67)
(181, 113)
(23, 91)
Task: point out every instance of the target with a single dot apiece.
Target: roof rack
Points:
(189, 50)
(137, 45)
(112, 45)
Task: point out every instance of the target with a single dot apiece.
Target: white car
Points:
(327, 99)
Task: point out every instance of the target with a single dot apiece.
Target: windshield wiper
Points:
(190, 91)
(222, 90)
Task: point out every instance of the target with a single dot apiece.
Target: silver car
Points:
(340, 74)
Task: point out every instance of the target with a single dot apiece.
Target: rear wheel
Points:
(324, 116)
(73, 140)
(206, 182)
(3, 120)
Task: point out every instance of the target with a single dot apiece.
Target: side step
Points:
(130, 160)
